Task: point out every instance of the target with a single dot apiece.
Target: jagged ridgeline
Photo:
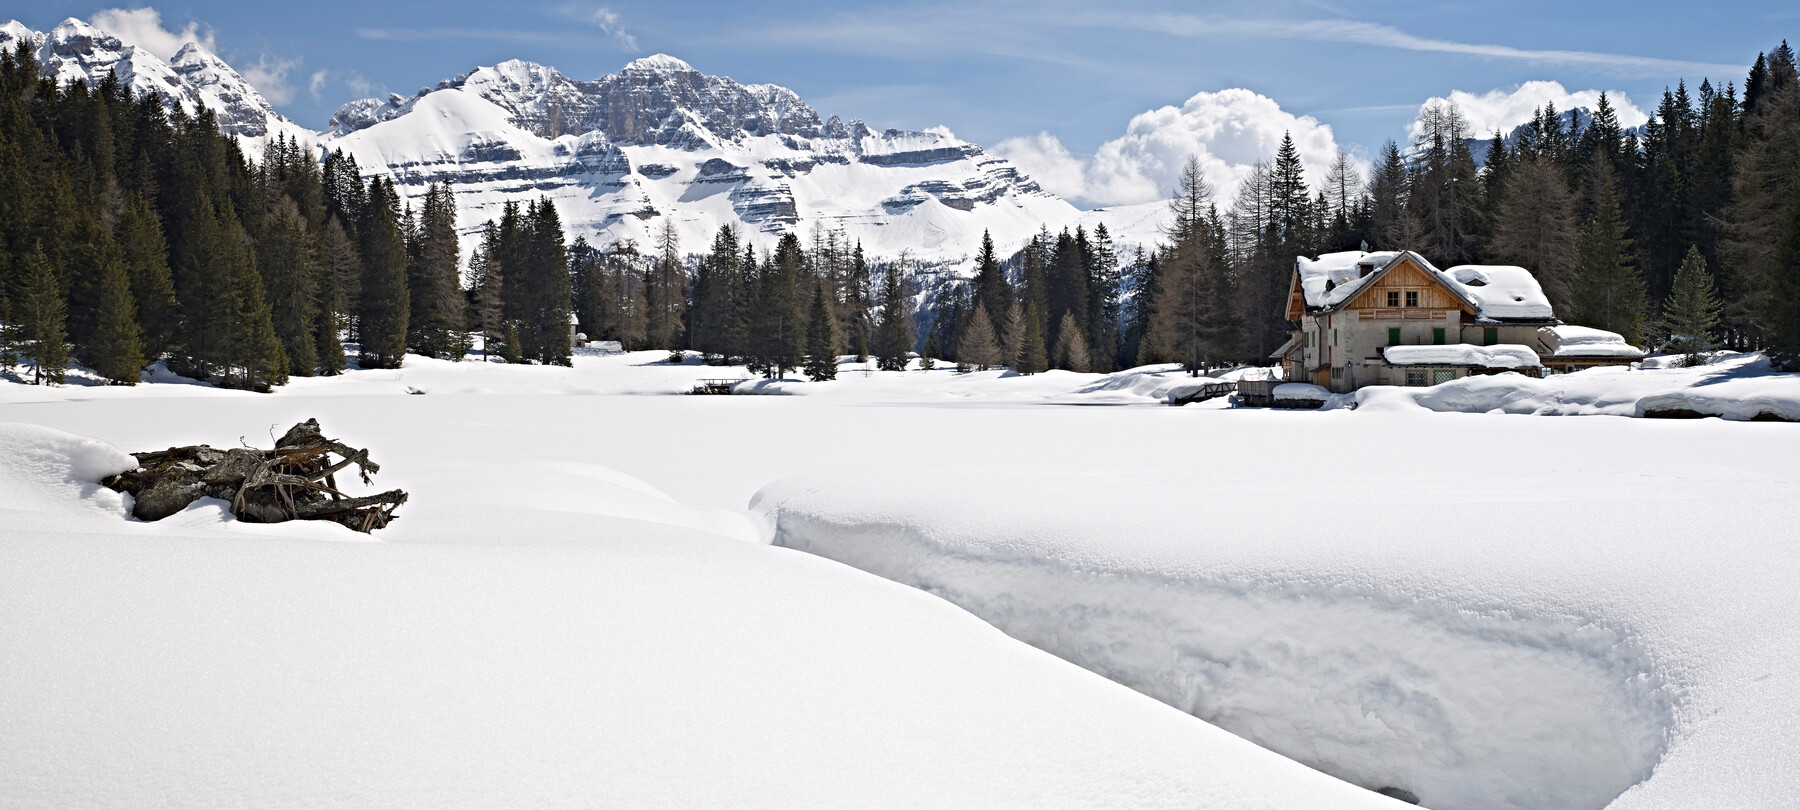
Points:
(660, 142)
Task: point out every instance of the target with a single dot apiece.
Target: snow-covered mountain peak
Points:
(14, 32)
(660, 142)
(659, 63)
(196, 79)
(241, 110)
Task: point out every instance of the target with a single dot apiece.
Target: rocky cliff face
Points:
(660, 139)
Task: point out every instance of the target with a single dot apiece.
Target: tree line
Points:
(134, 234)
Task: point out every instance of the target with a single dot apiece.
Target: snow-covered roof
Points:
(1497, 292)
(1504, 355)
(1567, 341)
(1334, 278)
(1502, 292)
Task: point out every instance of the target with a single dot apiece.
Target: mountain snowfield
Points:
(659, 142)
(624, 154)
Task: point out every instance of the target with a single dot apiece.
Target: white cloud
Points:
(143, 28)
(1505, 109)
(361, 86)
(1227, 131)
(269, 76)
(315, 86)
(601, 17)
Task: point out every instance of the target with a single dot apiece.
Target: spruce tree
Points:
(821, 342)
(893, 340)
(1607, 291)
(116, 350)
(384, 306)
(1691, 312)
(42, 320)
(1782, 314)
(860, 304)
(152, 288)
(1031, 344)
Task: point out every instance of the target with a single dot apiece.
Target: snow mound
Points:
(1570, 661)
(1738, 387)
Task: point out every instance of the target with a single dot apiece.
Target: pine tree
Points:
(1031, 344)
(1782, 315)
(821, 340)
(861, 303)
(384, 308)
(117, 347)
(288, 272)
(42, 320)
(1607, 291)
(991, 290)
(152, 288)
(1691, 312)
(892, 339)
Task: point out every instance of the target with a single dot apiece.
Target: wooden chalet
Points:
(1351, 309)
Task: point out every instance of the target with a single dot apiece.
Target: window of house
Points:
(1415, 377)
(1490, 336)
(1337, 372)
(1437, 336)
(1393, 336)
(1441, 377)
(1412, 298)
(1334, 337)
(1393, 299)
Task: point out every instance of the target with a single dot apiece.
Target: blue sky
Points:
(1055, 77)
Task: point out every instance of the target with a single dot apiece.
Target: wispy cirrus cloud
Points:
(1357, 32)
(601, 17)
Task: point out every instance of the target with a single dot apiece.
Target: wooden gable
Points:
(1296, 308)
(1403, 277)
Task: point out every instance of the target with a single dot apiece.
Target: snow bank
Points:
(1739, 386)
(209, 665)
(1503, 639)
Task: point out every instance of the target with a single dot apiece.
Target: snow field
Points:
(1568, 599)
(199, 662)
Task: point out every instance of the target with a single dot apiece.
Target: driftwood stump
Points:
(295, 481)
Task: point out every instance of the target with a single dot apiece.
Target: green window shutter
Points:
(1490, 336)
(1393, 336)
(1334, 337)
(1437, 335)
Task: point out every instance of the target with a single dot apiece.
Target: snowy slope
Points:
(194, 80)
(659, 141)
